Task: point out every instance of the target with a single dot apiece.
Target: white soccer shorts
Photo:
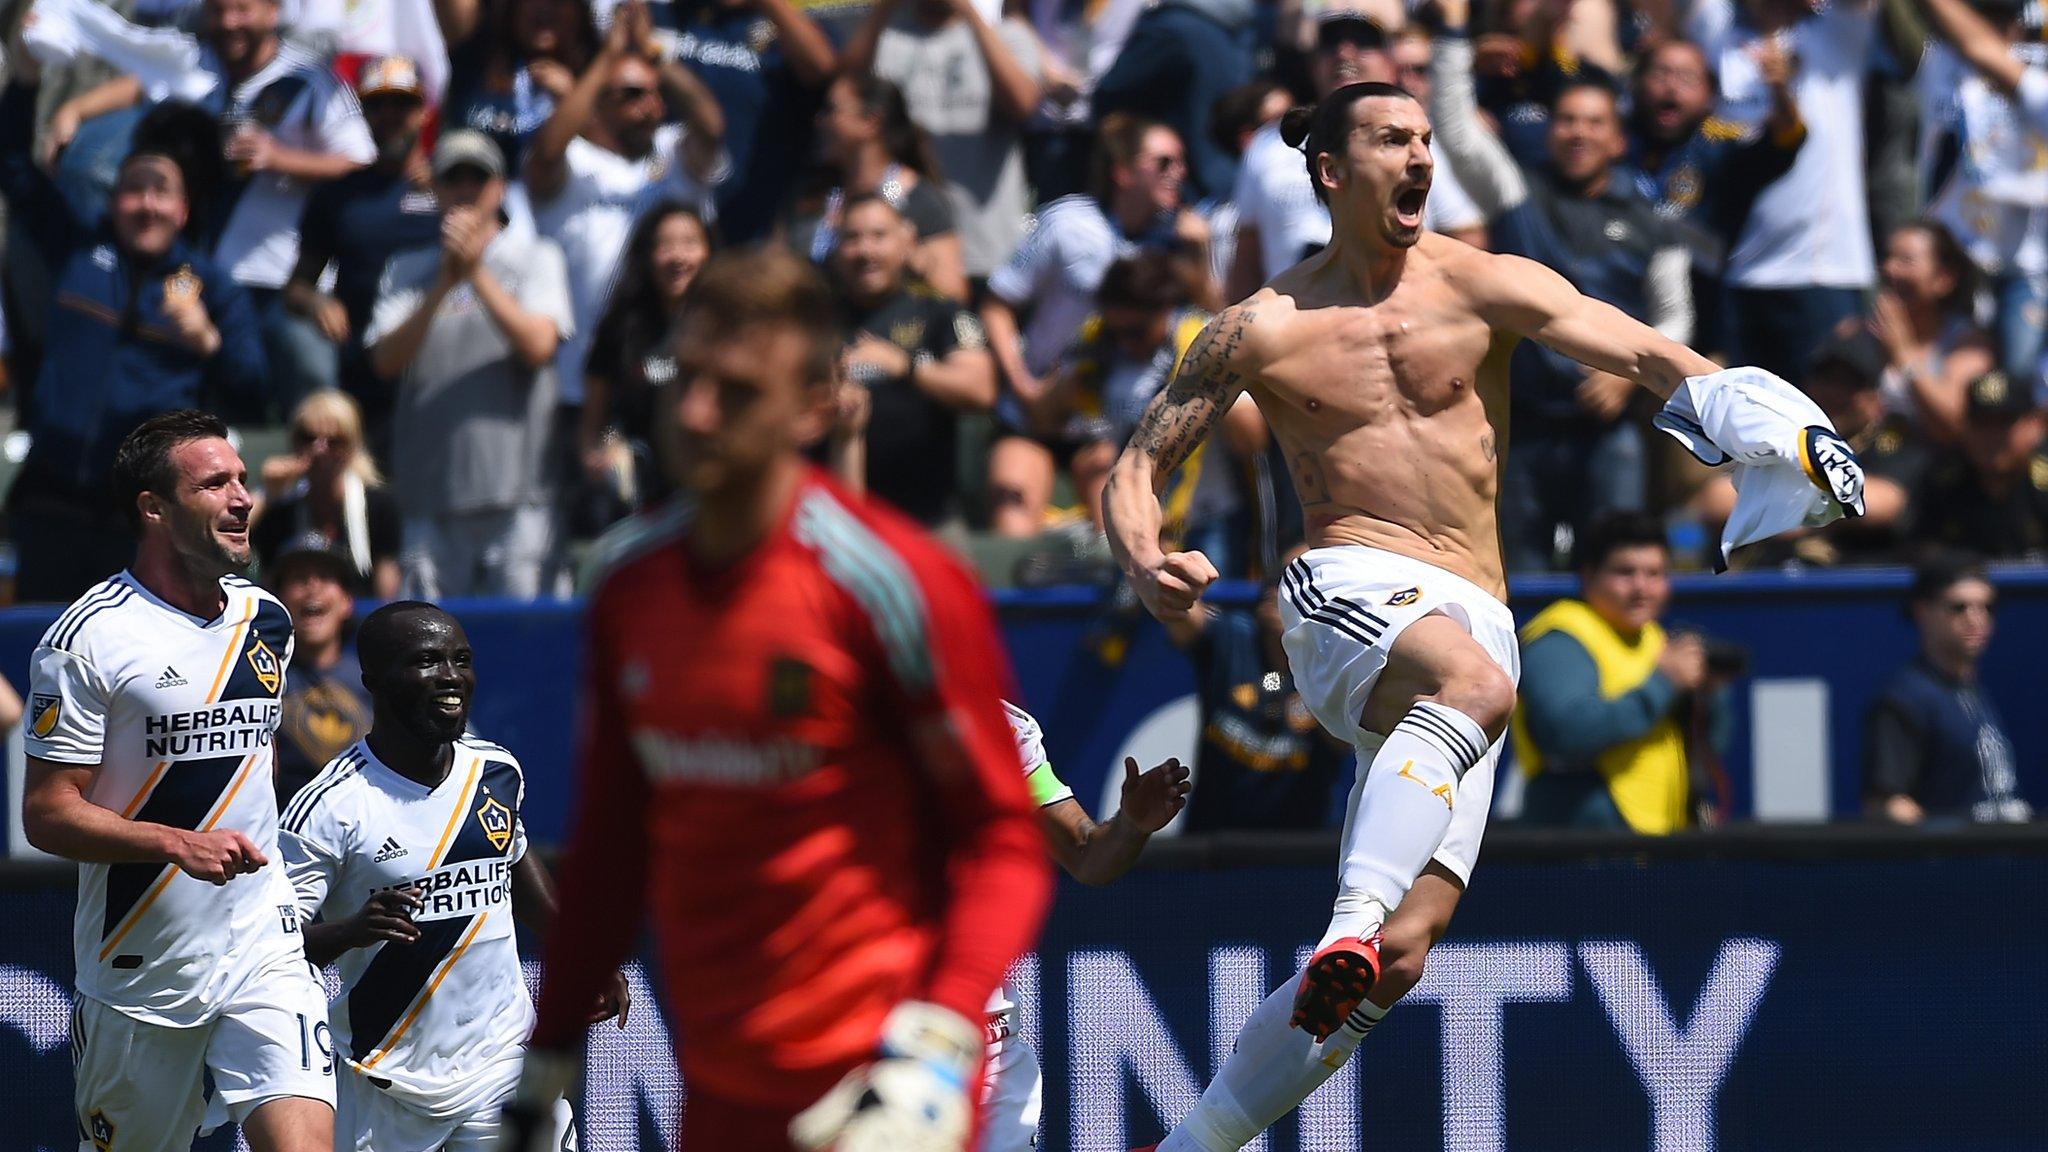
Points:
(373, 1120)
(1012, 1096)
(1341, 609)
(139, 1086)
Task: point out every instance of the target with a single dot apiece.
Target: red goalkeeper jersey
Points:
(799, 767)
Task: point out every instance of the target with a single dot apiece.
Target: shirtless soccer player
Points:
(1381, 365)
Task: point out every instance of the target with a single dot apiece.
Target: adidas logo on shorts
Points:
(170, 678)
(391, 850)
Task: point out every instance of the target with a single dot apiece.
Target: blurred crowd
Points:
(440, 244)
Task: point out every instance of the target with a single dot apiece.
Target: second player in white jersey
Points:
(1013, 1092)
(409, 850)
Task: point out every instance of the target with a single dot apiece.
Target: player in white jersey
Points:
(153, 705)
(410, 850)
(1013, 1092)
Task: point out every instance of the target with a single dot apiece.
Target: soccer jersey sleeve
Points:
(1044, 784)
(67, 708)
(342, 129)
(601, 888)
(315, 849)
(1016, 282)
(998, 883)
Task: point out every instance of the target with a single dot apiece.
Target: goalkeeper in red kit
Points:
(794, 761)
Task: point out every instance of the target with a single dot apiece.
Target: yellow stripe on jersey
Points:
(447, 966)
(476, 765)
(220, 678)
(142, 794)
(220, 809)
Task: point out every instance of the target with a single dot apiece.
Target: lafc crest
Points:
(496, 821)
(264, 663)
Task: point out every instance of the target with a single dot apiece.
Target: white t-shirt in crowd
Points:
(1053, 274)
(1995, 197)
(303, 105)
(1812, 227)
(376, 28)
(1274, 195)
(592, 217)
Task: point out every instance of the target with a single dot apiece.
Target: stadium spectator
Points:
(1577, 454)
(1804, 259)
(1263, 762)
(1984, 97)
(1935, 748)
(288, 124)
(1702, 172)
(1134, 204)
(1531, 50)
(629, 356)
(1182, 55)
(1922, 318)
(870, 145)
(1600, 731)
(354, 225)
(1280, 221)
(766, 61)
(1079, 43)
(1843, 380)
(468, 330)
(595, 163)
(1989, 495)
(971, 85)
(921, 357)
(138, 323)
(329, 487)
(515, 65)
(325, 708)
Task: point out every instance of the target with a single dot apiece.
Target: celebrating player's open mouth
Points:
(1408, 203)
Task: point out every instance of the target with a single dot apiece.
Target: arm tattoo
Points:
(1180, 417)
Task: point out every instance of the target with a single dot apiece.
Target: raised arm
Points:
(1976, 40)
(1530, 300)
(1483, 164)
(1096, 854)
(1217, 367)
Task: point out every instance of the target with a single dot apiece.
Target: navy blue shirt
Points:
(1603, 244)
(112, 359)
(1940, 742)
(737, 53)
(358, 221)
(1709, 182)
(1263, 761)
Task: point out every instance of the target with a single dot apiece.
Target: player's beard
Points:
(206, 549)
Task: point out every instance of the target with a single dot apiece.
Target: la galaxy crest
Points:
(496, 821)
(264, 663)
(1404, 597)
(42, 715)
(102, 1131)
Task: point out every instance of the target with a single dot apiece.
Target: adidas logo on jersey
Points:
(391, 850)
(170, 678)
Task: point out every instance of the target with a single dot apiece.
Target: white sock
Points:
(1404, 810)
(1270, 1072)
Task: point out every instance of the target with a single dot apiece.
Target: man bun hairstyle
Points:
(143, 461)
(1322, 127)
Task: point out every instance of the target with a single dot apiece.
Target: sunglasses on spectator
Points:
(1356, 34)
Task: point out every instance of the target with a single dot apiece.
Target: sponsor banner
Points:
(1607, 1005)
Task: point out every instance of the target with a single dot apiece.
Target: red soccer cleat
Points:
(1335, 982)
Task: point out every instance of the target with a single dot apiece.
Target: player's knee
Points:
(1479, 689)
(1403, 948)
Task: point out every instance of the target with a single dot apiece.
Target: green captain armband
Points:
(1046, 785)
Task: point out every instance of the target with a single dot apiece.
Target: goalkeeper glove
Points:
(912, 1098)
